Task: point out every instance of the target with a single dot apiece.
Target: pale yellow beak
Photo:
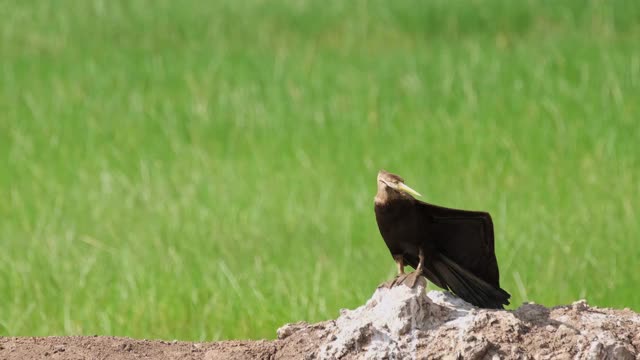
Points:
(408, 190)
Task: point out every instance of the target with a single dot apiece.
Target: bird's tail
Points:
(469, 287)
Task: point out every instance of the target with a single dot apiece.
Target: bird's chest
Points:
(399, 231)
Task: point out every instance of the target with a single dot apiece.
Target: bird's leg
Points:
(399, 259)
(421, 262)
(412, 279)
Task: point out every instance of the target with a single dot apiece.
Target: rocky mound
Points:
(402, 323)
(395, 323)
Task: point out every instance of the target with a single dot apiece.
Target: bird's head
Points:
(391, 186)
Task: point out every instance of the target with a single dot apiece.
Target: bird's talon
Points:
(412, 279)
(399, 279)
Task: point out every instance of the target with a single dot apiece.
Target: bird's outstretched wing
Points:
(464, 259)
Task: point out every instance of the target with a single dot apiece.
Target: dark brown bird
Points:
(450, 247)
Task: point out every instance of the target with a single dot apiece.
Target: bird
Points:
(452, 248)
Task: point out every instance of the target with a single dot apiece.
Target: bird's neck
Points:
(385, 197)
(392, 202)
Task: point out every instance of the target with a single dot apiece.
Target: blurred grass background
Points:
(206, 171)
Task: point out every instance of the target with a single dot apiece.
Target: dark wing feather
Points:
(468, 286)
(462, 253)
(466, 237)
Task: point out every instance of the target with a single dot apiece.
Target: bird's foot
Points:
(412, 279)
(394, 282)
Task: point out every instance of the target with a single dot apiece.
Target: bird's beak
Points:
(408, 190)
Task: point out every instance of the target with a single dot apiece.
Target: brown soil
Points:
(116, 348)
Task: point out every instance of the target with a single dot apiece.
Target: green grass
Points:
(207, 171)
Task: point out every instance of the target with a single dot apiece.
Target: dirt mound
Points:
(395, 323)
(404, 323)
